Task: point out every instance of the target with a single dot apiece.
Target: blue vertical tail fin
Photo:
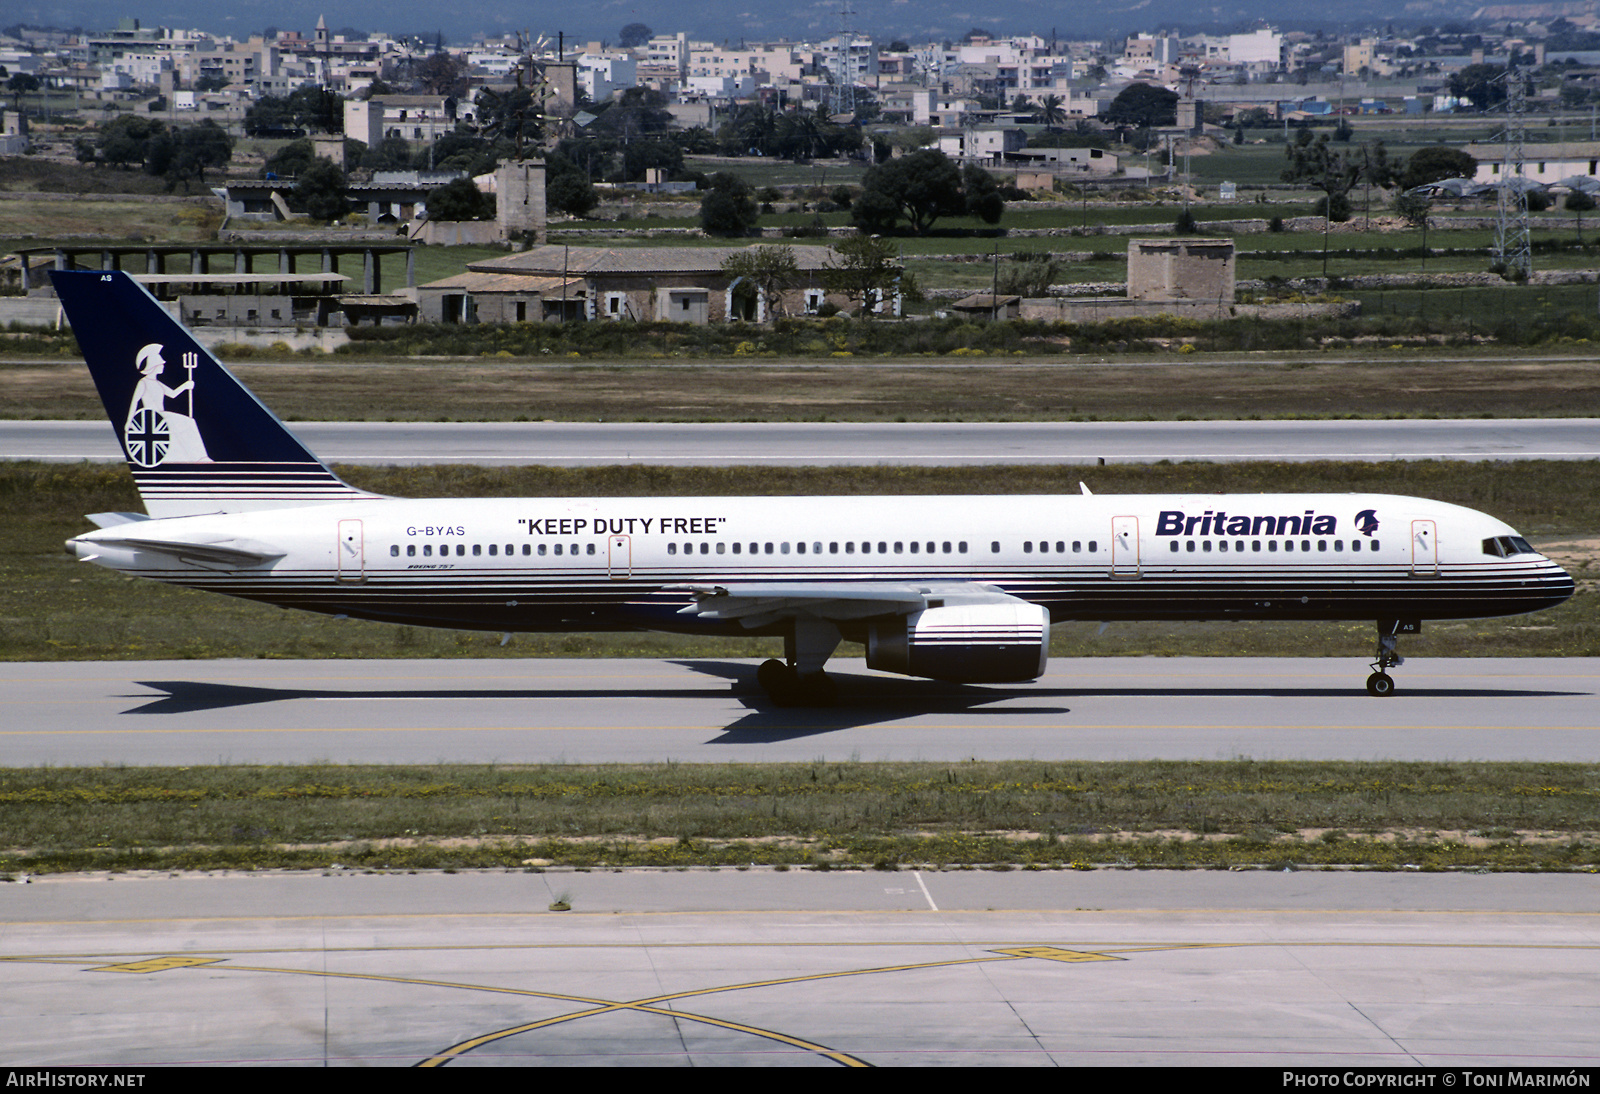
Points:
(195, 438)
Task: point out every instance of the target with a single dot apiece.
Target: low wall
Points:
(326, 339)
(457, 233)
(1099, 310)
(299, 236)
(35, 311)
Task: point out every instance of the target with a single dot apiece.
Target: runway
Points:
(645, 711)
(589, 444)
(727, 967)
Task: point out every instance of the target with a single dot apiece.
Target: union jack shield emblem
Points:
(148, 437)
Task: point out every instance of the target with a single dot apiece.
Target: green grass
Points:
(437, 263)
(1516, 816)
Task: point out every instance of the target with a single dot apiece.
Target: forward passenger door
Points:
(1125, 547)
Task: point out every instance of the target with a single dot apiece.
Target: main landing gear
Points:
(1380, 683)
(798, 680)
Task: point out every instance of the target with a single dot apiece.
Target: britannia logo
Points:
(1367, 522)
(155, 432)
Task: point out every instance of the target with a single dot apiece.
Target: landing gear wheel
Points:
(773, 675)
(1380, 683)
(787, 688)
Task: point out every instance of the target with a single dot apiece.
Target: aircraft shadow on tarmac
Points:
(861, 700)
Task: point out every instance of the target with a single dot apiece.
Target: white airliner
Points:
(952, 588)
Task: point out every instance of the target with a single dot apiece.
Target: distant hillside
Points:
(732, 20)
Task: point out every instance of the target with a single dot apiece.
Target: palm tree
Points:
(1051, 112)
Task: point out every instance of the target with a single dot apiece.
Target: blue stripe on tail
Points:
(196, 440)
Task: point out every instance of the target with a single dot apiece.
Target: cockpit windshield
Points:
(1506, 546)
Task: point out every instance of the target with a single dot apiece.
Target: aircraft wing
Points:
(757, 604)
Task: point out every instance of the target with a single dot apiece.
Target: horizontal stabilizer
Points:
(111, 520)
(229, 551)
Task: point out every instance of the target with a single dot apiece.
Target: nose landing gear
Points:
(1380, 683)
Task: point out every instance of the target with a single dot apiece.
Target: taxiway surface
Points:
(588, 444)
(709, 710)
(727, 967)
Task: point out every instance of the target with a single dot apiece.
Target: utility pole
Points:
(844, 80)
(1513, 247)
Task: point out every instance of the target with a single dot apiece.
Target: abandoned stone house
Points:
(647, 284)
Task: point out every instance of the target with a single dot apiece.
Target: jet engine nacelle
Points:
(985, 643)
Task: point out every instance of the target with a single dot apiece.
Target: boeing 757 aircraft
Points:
(961, 589)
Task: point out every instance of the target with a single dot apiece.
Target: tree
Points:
(125, 141)
(320, 191)
(460, 199)
(567, 188)
(391, 153)
(608, 159)
(921, 187)
(1334, 170)
(182, 155)
(1481, 85)
(268, 115)
(20, 84)
(1143, 106)
(1580, 202)
(1412, 208)
(515, 115)
(461, 152)
(1052, 112)
(981, 194)
(634, 35)
(729, 209)
(1029, 275)
(1435, 163)
(770, 269)
(865, 269)
(291, 161)
(443, 74)
(640, 111)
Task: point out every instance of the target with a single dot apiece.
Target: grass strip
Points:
(1394, 381)
(1376, 814)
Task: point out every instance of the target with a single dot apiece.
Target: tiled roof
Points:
(484, 281)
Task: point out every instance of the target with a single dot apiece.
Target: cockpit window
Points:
(1506, 546)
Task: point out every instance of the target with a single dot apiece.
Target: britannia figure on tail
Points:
(155, 434)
